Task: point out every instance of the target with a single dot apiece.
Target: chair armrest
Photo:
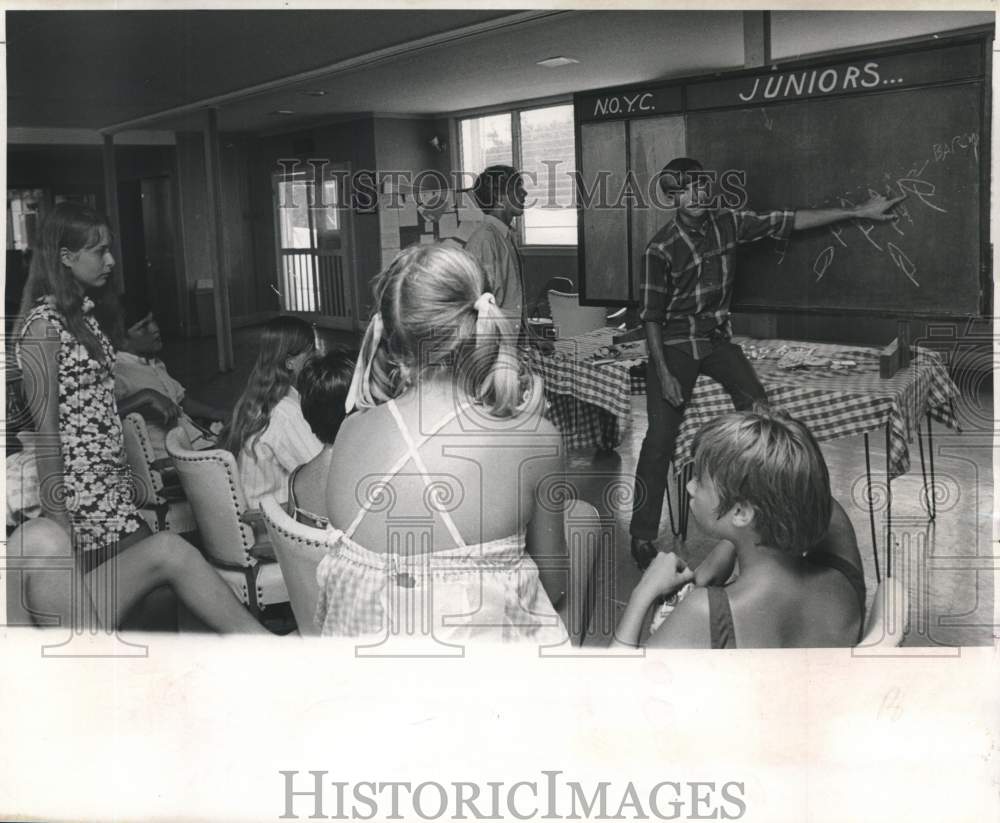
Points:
(172, 493)
(263, 552)
(253, 518)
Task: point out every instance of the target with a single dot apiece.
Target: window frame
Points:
(517, 109)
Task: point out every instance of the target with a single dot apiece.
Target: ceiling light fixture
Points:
(314, 93)
(556, 62)
(283, 112)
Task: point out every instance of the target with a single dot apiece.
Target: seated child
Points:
(761, 486)
(323, 384)
(142, 383)
(267, 432)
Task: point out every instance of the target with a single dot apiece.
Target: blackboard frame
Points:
(584, 105)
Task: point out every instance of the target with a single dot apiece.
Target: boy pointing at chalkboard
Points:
(687, 285)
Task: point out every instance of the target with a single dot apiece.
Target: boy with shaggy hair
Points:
(762, 488)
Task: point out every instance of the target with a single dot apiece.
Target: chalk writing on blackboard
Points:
(903, 263)
(624, 104)
(911, 183)
(790, 85)
(923, 189)
(823, 262)
(959, 141)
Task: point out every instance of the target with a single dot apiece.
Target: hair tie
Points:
(359, 394)
(484, 300)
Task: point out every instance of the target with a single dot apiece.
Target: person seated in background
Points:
(323, 384)
(761, 486)
(143, 384)
(267, 432)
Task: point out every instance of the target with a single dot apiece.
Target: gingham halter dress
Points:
(485, 590)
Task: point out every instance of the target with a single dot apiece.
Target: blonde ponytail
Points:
(438, 317)
(501, 388)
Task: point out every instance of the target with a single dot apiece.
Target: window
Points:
(540, 143)
(25, 208)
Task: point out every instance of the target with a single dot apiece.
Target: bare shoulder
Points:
(840, 539)
(358, 425)
(687, 627)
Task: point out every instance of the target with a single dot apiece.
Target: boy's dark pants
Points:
(727, 365)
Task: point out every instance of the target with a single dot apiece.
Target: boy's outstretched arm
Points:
(879, 209)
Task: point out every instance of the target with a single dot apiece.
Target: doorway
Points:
(313, 245)
(146, 224)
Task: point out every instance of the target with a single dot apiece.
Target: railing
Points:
(313, 282)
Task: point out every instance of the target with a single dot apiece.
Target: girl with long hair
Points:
(267, 432)
(85, 484)
(443, 489)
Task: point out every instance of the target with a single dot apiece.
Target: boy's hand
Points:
(670, 387)
(878, 209)
(665, 575)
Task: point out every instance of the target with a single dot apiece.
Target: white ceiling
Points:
(103, 69)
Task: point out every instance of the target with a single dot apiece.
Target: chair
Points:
(889, 616)
(160, 501)
(211, 484)
(584, 538)
(299, 549)
(570, 318)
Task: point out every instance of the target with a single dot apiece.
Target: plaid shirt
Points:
(687, 279)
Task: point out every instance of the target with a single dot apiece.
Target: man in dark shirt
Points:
(687, 285)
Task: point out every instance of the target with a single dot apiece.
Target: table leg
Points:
(888, 505)
(683, 502)
(871, 507)
(675, 528)
(930, 503)
(681, 478)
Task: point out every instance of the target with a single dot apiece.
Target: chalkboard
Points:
(653, 143)
(809, 134)
(926, 142)
(603, 231)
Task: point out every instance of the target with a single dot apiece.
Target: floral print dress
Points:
(97, 492)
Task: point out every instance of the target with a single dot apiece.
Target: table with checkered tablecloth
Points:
(590, 402)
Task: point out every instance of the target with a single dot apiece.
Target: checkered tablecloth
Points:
(832, 404)
(589, 403)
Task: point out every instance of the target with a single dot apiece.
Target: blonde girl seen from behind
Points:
(445, 466)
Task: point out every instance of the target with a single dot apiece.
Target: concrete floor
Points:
(947, 564)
